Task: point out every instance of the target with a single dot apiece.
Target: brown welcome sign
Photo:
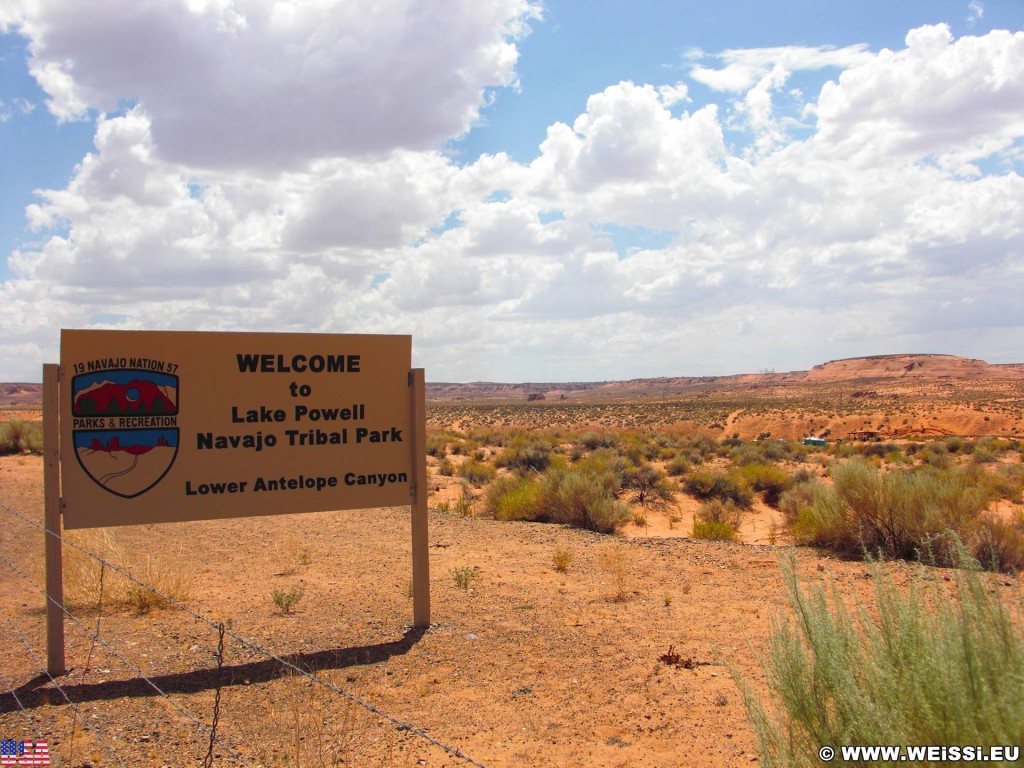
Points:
(168, 426)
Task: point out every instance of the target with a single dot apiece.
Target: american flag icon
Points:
(24, 753)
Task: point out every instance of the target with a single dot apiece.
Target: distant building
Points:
(818, 442)
(864, 434)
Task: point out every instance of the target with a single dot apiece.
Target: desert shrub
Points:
(999, 544)
(594, 440)
(464, 577)
(648, 487)
(934, 667)
(717, 520)
(956, 444)
(769, 480)
(525, 456)
(584, 496)
(774, 450)
(936, 455)
(17, 436)
(984, 453)
(745, 454)
(911, 514)
(464, 447)
(802, 475)
(677, 466)
(698, 449)
(705, 485)
(437, 443)
(446, 468)
(516, 498)
(477, 472)
(996, 445)
(1007, 482)
(286, 601)
(878, 449)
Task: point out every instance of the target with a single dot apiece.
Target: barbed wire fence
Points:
(207, 728)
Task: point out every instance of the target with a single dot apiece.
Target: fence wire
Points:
(131, 665)
(72, 704)
(245, 642)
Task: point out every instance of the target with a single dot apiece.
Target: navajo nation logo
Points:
(125, 427)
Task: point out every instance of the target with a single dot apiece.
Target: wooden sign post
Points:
(52, 523)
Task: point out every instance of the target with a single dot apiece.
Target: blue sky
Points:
(566, 190)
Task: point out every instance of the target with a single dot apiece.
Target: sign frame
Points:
(380, 450)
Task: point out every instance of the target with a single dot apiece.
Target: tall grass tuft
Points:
(925, 665)
(82, 574)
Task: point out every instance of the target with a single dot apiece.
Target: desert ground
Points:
(628, 656)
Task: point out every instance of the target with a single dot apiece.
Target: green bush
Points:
(17, 436)
(935, 667)
(717, 520)
(678, 466)
(582, 495)
(648, 487)
(999, 544)
(705, 485)
(516, 498)
(767, 479)
(913, 514)
(477, 472)
(525, 456)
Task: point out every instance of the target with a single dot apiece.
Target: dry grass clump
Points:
(83, 574)
(561, 558)
(616, 560)
(304, 724)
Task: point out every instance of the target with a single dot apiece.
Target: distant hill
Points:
(907, 367)
(916, 367)
(912, 367)
(21, 396)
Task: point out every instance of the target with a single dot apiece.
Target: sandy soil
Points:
(526, 667)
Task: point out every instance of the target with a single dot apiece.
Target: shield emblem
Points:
(126, 428)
